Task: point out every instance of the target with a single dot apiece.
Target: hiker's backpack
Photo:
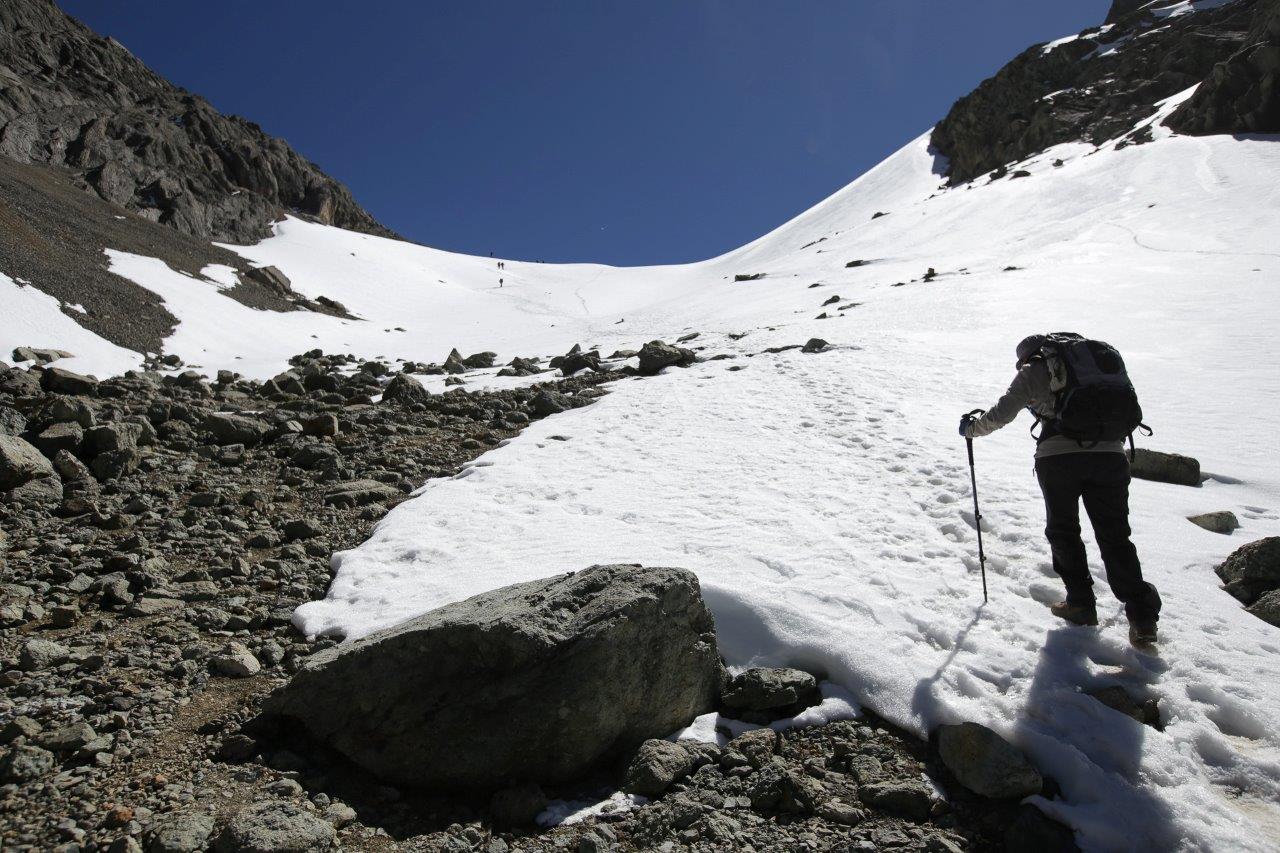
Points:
(1093, 398)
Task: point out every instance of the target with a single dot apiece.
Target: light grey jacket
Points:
(1031, 388)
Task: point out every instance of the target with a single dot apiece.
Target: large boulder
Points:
(656, 355)
(1165, 467)
(20, 463)
(1252, 569)
(539, 682)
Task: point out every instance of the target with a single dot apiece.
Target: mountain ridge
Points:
(72, 98)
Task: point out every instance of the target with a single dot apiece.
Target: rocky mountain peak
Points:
(69, 97)
(1099, 85)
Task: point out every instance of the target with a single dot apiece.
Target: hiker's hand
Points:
(966, 421)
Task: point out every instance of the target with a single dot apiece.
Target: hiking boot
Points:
(1079, 614)
(1142, 633)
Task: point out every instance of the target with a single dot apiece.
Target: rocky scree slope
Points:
(1096, 87)
(71, 98)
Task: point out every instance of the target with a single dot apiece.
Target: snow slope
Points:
(823, 499)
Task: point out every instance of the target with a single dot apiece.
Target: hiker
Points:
(1070, 469)
(499, 282)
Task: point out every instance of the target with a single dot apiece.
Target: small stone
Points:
(655, 766)
(1223, 521)
(756, 746)
(187, 832)
(818, 344)
(275, 827)
(67, 738)
(909, 799)
(339, 814)
(25, 763)
(235, 661)
(301, 528)
(19, 727)
(838, 811)
(41, 654)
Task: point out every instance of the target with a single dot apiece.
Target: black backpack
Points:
(1093, 398)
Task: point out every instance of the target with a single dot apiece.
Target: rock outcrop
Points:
(72, 98)
(537, 683)
(1099, 86)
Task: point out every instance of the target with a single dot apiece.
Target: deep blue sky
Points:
(586, 130)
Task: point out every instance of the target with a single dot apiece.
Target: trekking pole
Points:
(977, 514)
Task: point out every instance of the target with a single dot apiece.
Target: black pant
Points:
(1102, 480)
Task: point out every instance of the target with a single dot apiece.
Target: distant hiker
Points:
(1081, 397)
(499, 282)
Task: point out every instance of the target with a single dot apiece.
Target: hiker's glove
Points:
(966, 421)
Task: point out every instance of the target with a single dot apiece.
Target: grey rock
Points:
(20, 462)
(38, 354)
(1223, 521)
(12, 422)
(546, 403)
(910, 799)
(113, 436)
(301, 528)
(60, 437)
(541, 681)
(67, 738)
(656, 764)
(276, 827)
(757, 746)
(185, 832)
(235, 661)
(19, 727)
(817, 344)
(235, 429)
(986, 763)
(1165, 467)
(1252, 569)
(71, 469)
(405, 390)
(115, 463)
(1267, 607)
(656, 355)
(360, 492)
(57, 380)
(25, 763)
(339, 814)
(765, 688)
(41, 492)
(480, 360)
(271, 278)
(37, 654)
(150, 605)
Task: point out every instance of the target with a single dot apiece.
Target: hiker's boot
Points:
(1142, 633)
(1078, 614)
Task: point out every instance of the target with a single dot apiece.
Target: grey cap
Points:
(1029, 346)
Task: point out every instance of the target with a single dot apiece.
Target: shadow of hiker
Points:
(1092, 752)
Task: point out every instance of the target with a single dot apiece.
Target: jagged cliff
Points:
(70, 97)
(1097, 86)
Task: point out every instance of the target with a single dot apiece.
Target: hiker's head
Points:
(1028, 347)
